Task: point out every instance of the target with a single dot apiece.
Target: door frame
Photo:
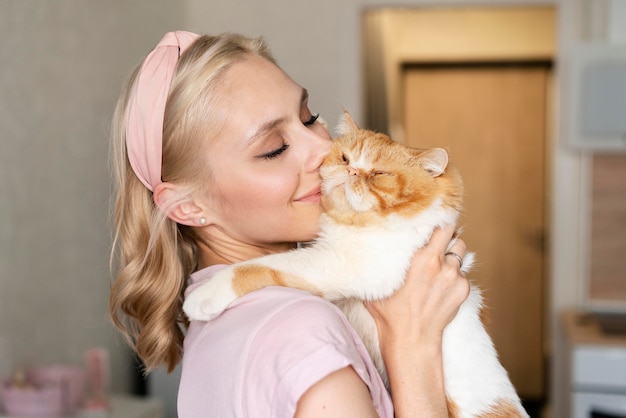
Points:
(395, 37)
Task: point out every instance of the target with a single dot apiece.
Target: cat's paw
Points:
(210, 299)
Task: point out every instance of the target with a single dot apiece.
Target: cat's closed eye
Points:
(344, 158)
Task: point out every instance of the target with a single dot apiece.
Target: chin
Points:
(306, 226)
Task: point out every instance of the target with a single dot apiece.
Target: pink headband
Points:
(146, 107)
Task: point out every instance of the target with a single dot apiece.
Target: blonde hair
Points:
(155, 256)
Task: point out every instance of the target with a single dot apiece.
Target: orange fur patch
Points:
(251, 277)
(453, 410)
(503, 409)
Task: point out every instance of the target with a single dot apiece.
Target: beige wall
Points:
(61, 70)
(62, 64)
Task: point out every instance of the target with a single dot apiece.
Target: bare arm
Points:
(411, 323)
(340, 394)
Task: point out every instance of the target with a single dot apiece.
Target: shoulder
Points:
(303, 323)
(289, 325)
(279, 341)
(291, 306)
(257, 314)
(303, 340)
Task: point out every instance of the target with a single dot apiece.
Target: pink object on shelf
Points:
(98, 379)
(42, 392)
(71, 379)
(32, 401)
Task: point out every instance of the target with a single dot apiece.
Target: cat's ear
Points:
(434, 161)
(346, 124)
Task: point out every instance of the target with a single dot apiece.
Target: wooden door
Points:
(492, 120)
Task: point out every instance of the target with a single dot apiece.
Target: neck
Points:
(215, 248)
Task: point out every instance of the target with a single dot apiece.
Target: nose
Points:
(352, 171)
(319, 148)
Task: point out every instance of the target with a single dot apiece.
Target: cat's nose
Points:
(352, 171)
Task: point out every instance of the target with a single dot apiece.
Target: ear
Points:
(346, 124)
(179, 206)
(434, 161)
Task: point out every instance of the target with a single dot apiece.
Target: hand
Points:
(433, 291)
(411, 322)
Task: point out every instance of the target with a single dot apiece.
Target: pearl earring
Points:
(202, 221)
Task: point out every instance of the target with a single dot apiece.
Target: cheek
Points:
(277, 183)
(257, 191)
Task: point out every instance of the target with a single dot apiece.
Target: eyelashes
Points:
(275, 153)
(311, 120)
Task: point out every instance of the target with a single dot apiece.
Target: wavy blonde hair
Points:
(155, 255)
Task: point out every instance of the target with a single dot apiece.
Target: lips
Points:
(314, 195)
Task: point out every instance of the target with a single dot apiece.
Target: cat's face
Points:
(367, 177)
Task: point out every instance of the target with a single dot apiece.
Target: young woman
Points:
(216, 157)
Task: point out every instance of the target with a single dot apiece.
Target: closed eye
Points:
(275, 153)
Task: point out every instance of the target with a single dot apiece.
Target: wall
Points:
(63, 62)
(606, 186)
(607, 243)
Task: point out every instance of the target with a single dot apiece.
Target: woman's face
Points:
(265, 160)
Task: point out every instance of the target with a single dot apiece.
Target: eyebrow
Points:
(269, 126)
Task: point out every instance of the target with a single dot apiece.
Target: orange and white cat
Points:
(382, 200)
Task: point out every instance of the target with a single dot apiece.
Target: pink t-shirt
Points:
(260, 356)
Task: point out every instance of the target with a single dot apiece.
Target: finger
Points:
(458, 246)
(456, 254)
(440, 239)
(456, 257)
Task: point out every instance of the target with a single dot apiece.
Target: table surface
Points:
(128, 407)
(583, 328)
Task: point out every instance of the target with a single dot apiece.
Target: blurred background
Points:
(504, 85)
